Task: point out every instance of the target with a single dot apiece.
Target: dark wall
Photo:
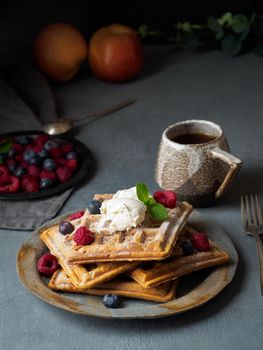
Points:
(21, 20)
(90, 15)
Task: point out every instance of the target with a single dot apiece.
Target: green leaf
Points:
(158, 211)
(142, 192)
(190, 40)
(150, 201)
(252, 18)
(213, 24)
(226, 19)
(5, 146)
(1, 159)
(259, 50)
(220, 34)
(184, 26)
(239, 23)
(231, 45)
(143, 30)
(245, 33)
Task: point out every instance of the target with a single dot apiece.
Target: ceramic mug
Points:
(198, 172)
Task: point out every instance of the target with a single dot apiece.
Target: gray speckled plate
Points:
(194, 290)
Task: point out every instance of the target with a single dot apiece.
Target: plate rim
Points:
(161, 309)
(86, 168)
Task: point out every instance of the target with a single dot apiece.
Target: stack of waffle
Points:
(144, 262)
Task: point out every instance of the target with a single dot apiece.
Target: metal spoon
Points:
(63, 125)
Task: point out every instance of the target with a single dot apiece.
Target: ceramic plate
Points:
(85, 170)
(194, 290)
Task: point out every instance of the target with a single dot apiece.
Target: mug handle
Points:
(234, 165)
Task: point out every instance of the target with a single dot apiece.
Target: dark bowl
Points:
(85, 170)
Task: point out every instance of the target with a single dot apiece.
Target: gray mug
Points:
(198, 172)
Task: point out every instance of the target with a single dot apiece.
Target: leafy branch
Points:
(232, 33)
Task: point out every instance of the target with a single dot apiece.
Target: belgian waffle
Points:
(81, 276)
(155, 273)
(152, 240)
(121, 286)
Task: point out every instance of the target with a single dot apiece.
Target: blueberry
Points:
(12, 167)
(72, 155)
(19, 171)
(94, 207)
(35, 161)
(111, 300)
(66, 228)
(29, 154)
(43, 153)
(50, 144)
(12, 153)
(49, 164)
(187, 248)
(46, 183)
(23, 140)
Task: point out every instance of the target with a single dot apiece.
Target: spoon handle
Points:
(102, 113)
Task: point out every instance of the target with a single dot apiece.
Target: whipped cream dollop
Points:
(123, 211)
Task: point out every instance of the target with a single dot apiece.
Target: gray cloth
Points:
(174, 87)
(16, 115)
(30, 214)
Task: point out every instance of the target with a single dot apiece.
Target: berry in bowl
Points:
(33, 164)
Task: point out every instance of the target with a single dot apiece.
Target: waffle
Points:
(81, 276)
(156, 273)
(152, 240)
(121, 286)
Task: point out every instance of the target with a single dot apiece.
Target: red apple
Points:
(115, 53)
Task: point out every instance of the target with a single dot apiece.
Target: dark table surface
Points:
(174, 87)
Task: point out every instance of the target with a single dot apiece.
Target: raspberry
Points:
(24, 164)
(33, 170)
(29, 146)
(61, 161)
(41, 139)
(45, 174)
(64, 174)
(200, 242)
(9, 183)
(77, 215)
(83, 236)
(166, 198)
(66, 148)
(30, 183)
(47, 264)
(3, 170)
(72, 164)
(8, 162)
(19, 158)
(18, 147)
(37, 148)
(55, 152)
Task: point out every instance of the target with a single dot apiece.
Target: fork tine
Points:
(248, 215)
(260, 220)
(243, 211)
(253, 210)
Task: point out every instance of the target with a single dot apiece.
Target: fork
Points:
(252, 220)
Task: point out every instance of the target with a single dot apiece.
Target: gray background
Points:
(173, 87)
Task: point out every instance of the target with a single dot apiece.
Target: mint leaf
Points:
(150, 201)
(142, 192)
(5, 146)
(158, 211)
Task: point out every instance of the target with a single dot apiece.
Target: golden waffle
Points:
(178, 265)
(152, 240)
(81, 276)
(121, 286)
